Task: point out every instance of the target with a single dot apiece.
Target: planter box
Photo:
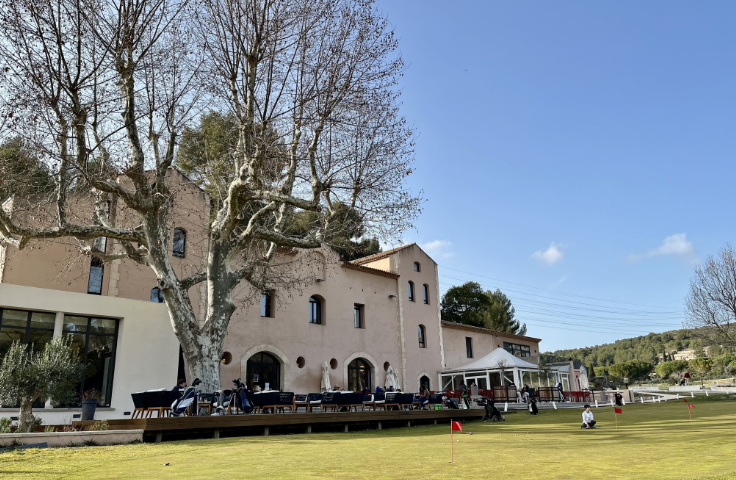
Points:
(65, 439)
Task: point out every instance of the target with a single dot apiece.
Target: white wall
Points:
(147, 355)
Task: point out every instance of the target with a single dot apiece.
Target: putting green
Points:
(653, 441)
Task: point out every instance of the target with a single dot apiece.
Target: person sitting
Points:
(525, 393)
(336, 388)
(379, 390)
(464, 395)
(423, 397)
(181, 385)
(588, 421)
(390, 388)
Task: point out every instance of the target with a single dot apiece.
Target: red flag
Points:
(686, 400)
(618, 410)
(690, 405)
(457, 426)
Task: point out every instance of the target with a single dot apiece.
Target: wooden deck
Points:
(158, 429)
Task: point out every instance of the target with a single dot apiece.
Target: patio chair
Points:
(277, 401)
(205, 400)
(392, 401)
(139, 402)
(155, 400)
(300, 400)
(368, 402)
(351, 400)
(406, 401)
(435, 399)
(330, 401)
(379, 401)
(315, 401)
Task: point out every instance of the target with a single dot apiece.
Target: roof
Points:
(471, 328)
(387, 253)
(493, 360)
(374, 271)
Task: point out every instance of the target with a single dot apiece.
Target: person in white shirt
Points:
(588, 421)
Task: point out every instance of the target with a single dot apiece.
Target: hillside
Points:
(646, 348)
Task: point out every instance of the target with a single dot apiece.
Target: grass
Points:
(654, 441)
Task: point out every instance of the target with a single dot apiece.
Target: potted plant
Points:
(89, 404)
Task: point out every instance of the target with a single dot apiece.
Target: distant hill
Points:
(647, 348)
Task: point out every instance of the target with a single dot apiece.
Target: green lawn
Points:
(653, 441)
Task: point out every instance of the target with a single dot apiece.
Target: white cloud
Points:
(550, 256)
(677, 245)
(438, 248)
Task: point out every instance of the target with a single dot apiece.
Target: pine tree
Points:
(500, 314)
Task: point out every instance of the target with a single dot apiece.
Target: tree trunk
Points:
(26, 418)
(204, 363)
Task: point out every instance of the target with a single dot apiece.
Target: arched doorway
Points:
(264, 370)
(424, 382)
(359, 375)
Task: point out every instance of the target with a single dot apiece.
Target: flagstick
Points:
(616, 415)
(452, 445)
(689, 414)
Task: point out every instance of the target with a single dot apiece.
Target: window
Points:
(264, 370)
(518, 350)
(425, 289)
(469, 346)
(157, 295)
(422, 336)
(33, 328)
(96, 341)
(180, 242)
(417, 267)
(358, 320)
(359, 375)
(411, 291)
(315, 310)
(266, 304)
(96, 272)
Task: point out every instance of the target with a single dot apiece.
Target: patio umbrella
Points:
(389, 378)
(396, 378)
(325, 384)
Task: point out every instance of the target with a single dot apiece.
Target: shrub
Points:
(6, 425)
(49, 429)
(665, 369)
(99, 426)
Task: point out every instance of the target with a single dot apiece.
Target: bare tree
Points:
(104, 88)
(711, 302)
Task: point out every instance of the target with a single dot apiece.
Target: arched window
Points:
(411, 291)
(417, 267)
(425, 289)
(180, 242)
(157, 295)
(315, 309)
(359, 375)
(264, 370)
(424, 382)
(422, 336)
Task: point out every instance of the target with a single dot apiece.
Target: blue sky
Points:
(573, 153)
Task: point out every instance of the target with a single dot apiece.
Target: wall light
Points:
(392, 296)
(320, 280)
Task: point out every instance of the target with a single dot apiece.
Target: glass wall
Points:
(96, 341)
(33, 328)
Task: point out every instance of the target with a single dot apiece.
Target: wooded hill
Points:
(647, 348)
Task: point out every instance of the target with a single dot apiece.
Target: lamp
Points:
(392, 296)
(319, 280)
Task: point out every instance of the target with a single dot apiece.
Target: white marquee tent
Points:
(502, 368)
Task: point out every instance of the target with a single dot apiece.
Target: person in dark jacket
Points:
(181, 385)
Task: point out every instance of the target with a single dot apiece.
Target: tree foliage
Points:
(21, 171)
(112, 94)
(647, 348)
(633, 369)
(471, 305)
(465, 304)
(27, 375)
(500, 315)
(666, 369)
(711, 303)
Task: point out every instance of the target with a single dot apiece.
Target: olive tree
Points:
(103, 89)
(27, 375)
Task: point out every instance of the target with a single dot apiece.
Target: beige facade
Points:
(374, 313)
(483, 341)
